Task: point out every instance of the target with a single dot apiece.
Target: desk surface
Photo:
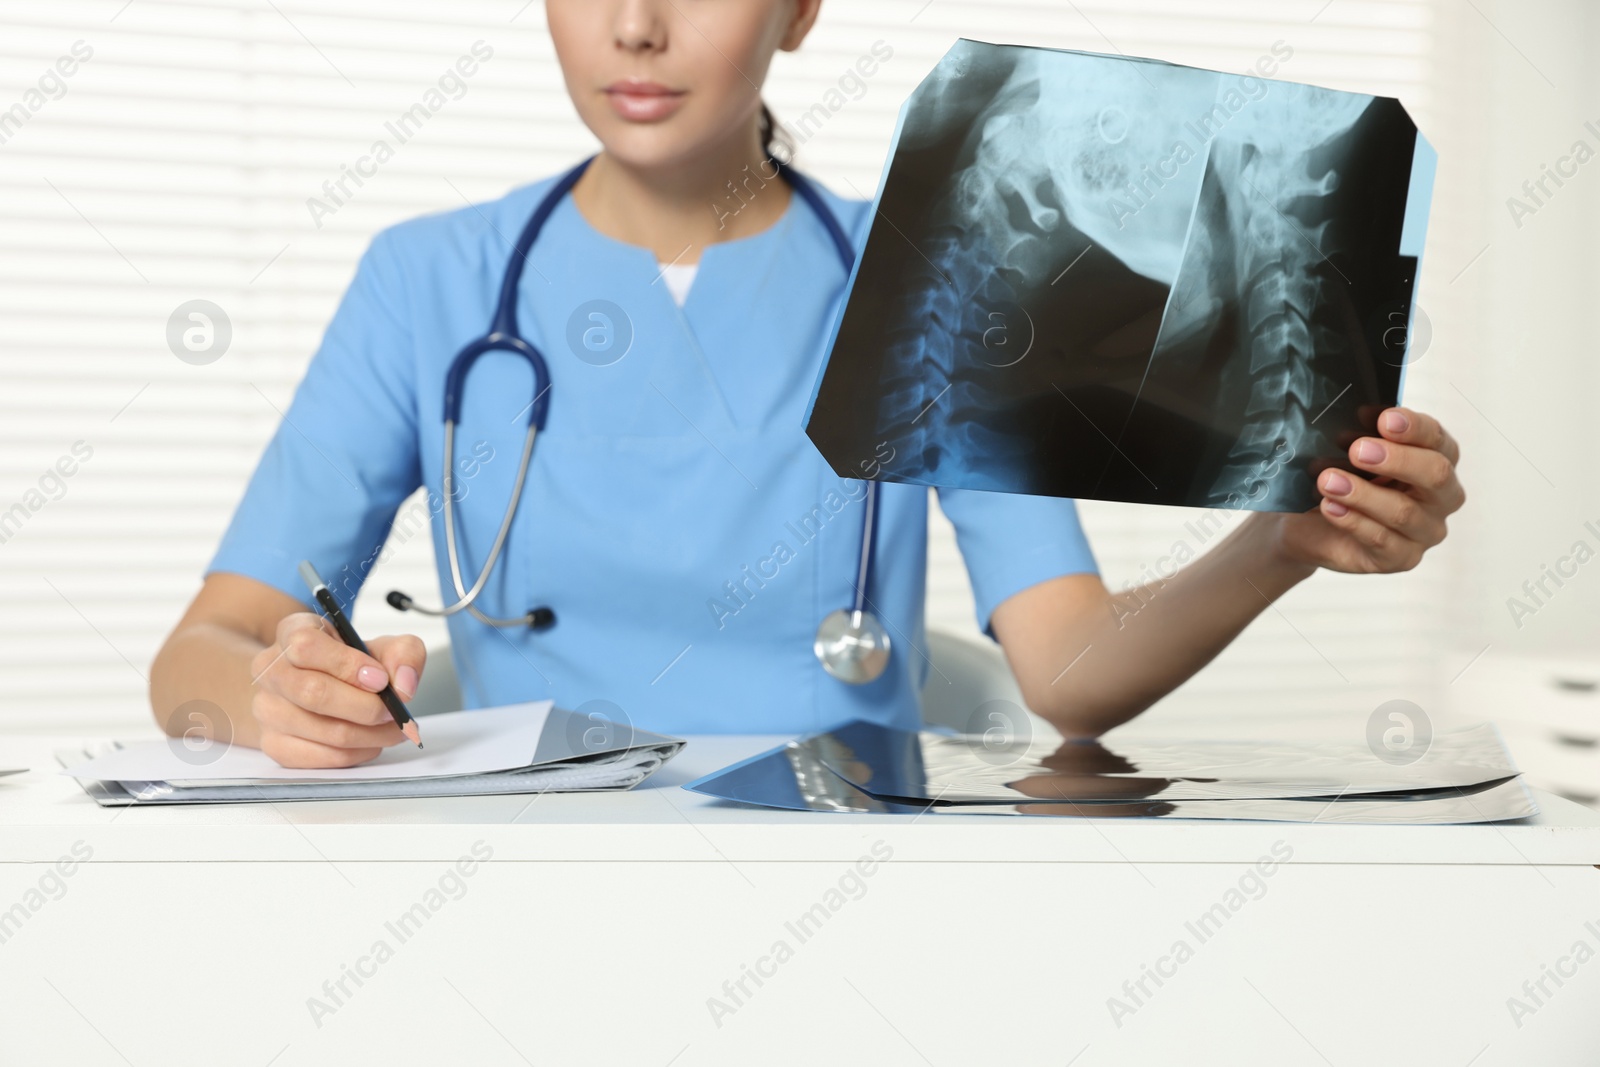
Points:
(42, 813)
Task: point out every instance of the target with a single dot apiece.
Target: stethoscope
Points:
(851, 643)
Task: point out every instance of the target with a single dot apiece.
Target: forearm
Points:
(210, 663)
(1145, 642)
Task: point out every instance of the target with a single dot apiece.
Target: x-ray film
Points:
(971, 768)
(799, 776)
(1092, 276)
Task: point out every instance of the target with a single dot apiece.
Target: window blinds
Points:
(156, 154)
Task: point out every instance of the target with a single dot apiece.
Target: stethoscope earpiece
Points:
(537, 620)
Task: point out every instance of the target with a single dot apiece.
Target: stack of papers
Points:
(520, 748)
(1465, 776)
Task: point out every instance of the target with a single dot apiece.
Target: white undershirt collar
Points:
(678, 276)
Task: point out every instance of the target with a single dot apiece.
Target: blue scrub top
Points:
(686, 532)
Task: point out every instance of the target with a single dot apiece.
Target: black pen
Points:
(391, 699)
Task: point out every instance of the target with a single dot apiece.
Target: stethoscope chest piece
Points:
(851, 643)
(852, 646)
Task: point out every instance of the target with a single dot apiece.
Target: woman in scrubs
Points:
(676, 519)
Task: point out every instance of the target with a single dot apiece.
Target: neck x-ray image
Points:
(1100, 277)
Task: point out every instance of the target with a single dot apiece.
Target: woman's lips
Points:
(639, 101)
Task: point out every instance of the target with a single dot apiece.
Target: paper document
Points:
(455, 743)
(520, 748)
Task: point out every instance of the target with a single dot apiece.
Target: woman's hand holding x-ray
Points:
(1129, 649)
(1385, 524)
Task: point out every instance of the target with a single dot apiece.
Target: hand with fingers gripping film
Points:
(316, 699)
(1385, 524)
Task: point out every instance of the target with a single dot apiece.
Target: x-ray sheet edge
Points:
(1413, 236)
(1169, 63)
(855, 271)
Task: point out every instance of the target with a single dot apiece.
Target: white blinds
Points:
(175, 162)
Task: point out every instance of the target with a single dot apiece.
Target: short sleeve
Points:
(345, 454)
(1010, 542)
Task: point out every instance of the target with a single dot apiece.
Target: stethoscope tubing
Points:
(869, 531)
(503, 336)
(466, 598)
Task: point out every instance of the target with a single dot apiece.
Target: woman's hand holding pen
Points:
(316, 699)
(1386, 524)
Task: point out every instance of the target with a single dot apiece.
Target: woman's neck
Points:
(677, 212)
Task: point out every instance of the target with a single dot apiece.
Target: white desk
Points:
(601, 926)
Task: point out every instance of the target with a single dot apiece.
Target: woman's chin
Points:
(653, 149)
(663, 145)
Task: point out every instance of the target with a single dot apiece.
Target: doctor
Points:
(677, 538)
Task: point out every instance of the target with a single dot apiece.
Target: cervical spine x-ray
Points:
(1099, 277)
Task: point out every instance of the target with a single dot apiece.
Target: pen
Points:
(391, 699)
